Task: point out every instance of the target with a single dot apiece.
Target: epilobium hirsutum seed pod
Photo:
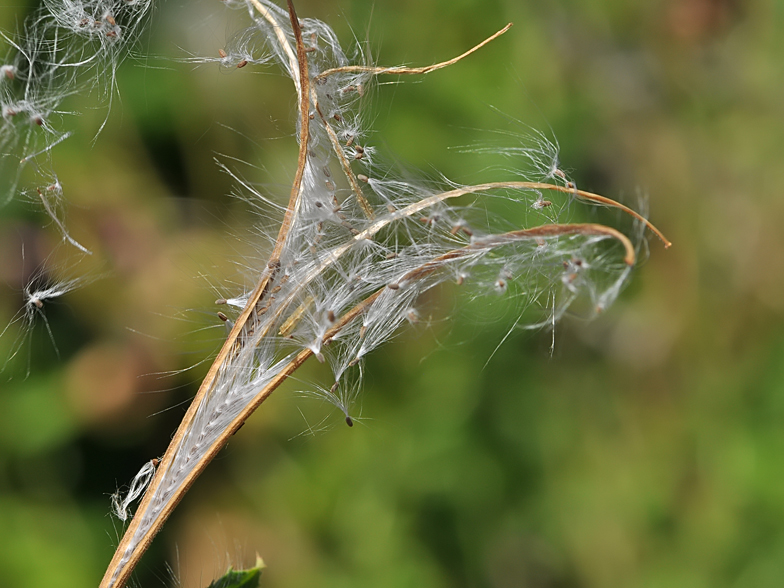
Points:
(362, 255)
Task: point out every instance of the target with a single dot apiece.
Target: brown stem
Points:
(401, 70)
(214, 449)
(591, 197)
(110, 580)
(539, 232)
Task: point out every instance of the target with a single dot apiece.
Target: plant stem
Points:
(123, 563)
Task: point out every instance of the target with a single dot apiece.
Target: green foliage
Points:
(240, 578)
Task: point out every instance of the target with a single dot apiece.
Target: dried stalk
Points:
(400, 70)
(248, 325)
(115, 576)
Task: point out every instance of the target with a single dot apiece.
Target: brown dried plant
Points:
(352, 257)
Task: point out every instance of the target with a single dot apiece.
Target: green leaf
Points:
(240, 578)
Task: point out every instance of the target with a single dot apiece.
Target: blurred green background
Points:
(648, 451)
